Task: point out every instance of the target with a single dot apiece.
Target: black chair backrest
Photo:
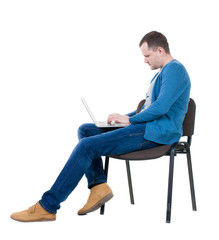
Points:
(189, 121)
(140, 105)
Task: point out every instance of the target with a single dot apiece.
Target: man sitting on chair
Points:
(159, 122)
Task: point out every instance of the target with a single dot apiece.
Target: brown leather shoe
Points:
(99, 195)
(33, 214)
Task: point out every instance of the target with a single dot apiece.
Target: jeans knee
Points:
(82, 130)
(88, 130)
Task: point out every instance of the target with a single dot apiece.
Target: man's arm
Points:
(131, 114)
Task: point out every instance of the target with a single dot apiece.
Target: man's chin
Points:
(154, 67)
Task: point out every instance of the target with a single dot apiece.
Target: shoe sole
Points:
(32, 220)
(98, 204)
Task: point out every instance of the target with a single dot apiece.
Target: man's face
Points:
(152, 58)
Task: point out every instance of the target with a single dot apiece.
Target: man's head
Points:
(155, 49)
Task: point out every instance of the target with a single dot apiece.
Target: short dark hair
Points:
(154, 40)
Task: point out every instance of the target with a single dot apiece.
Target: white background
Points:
(54, 52)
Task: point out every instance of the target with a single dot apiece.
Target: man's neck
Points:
(167, 59)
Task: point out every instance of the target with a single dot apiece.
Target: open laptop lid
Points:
(88, 109)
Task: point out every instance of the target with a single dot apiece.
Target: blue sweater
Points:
(169, 103)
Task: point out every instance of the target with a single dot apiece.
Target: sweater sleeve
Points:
(174, 82)
(131, 113)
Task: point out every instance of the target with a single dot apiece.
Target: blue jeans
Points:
(86, 159)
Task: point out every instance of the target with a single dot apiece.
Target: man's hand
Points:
(118, 118)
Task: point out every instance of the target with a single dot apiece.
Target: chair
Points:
(182, 147)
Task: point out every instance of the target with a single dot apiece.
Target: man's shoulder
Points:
(174, 70)
(174, 66)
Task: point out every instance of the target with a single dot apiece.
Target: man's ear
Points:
(160, 50)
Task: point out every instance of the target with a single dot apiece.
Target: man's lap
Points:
(115, 141)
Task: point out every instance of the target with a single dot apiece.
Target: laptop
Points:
(101, 124)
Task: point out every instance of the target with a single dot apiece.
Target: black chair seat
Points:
(147, 154)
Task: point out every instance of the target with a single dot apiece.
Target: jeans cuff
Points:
(48, 210)
(96, 183)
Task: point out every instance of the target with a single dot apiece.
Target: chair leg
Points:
(106, 167)
(192, 188)
(170, 185)
(130, 182)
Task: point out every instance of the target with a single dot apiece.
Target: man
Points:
(159, 122)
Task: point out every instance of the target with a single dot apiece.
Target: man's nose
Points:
(145, 60)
